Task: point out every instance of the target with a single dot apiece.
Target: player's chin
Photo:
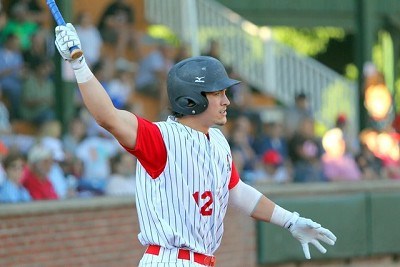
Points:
(221, 121)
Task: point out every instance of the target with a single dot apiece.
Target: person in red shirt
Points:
(35, 176)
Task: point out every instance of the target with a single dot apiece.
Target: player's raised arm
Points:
(120, 123)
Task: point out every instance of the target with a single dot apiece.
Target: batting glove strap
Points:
(282, 217)
(293, 219)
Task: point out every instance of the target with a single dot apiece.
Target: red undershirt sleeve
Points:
(234, 177)
(151, 152)
(150, 148)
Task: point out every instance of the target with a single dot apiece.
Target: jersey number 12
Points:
(207, 198)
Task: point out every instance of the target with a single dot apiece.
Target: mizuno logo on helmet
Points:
(199, 80)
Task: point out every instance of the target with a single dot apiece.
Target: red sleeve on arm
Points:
(234, 177)
(150, 148)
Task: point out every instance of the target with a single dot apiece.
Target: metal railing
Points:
(266, 64)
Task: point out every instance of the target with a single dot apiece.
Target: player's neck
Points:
(195, 124)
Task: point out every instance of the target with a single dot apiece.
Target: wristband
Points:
(283, 217)
(81, 70)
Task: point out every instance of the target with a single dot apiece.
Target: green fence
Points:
(365, 220)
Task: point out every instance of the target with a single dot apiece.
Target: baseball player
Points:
(185, 174)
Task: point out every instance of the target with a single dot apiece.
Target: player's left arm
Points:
(253, 203)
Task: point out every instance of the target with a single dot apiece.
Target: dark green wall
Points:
(365, 224)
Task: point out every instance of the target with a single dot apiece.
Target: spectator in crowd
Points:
(213, 50)
(370, 165)
(387, 149)
(272, 137)
(117, 26)
(122, 86)
(241, 140)
(19, 24)
(11, 72)
(11, 190)
(74, 136)
(50, 138)
(35, 11)
(39, 49)
(72, 165)
(5, 125)
(352, 143)
(73, 170)
(182, 52)
(122, 180)
(35, 177)
(4, 150)
(295, 114)
(395, 125)
(153, 69)
(337, 164)
(90, 37)
(152, 73)
(38, 91)
(275, 168)
(271, 169)
(95, 152)
(305, 151)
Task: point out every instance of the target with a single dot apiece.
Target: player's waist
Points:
(184, 254)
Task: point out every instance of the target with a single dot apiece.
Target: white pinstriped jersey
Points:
(185, 206)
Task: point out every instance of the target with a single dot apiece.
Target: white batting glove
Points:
(308, 231)
(66, 37)
(304, 230)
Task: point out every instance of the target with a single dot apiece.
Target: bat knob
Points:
(76, 53)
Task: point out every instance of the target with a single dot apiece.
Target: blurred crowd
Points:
(287, 149)
(41, 161)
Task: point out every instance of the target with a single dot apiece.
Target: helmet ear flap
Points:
(195, 105)
(184, 101)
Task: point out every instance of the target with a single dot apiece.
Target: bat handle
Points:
(75, 51)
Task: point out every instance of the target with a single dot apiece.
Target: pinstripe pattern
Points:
(168, 213)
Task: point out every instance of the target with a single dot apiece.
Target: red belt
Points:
(184, 254)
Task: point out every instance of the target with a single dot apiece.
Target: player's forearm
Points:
(267, 211)
(250, 201)
(244, 197)
(97, 101)
(264, 209)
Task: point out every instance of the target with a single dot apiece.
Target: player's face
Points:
(216, 111)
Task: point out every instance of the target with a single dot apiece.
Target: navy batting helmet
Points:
(190, 78)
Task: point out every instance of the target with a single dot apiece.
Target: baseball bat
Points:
(75, 51)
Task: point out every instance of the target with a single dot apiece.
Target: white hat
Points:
(38, 153)
(54, 145)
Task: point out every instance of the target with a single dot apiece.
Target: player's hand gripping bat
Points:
(75, 51)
